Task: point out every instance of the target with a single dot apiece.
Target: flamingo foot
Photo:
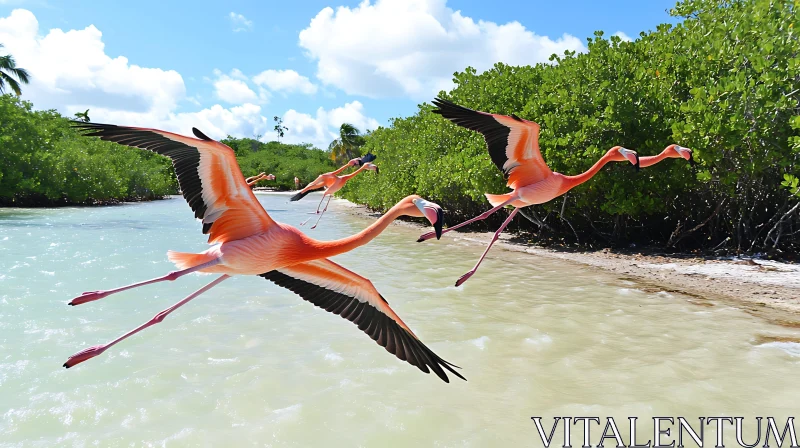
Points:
(427, 236)
(313, 213)
(84, 354)
(89, 296)
(313, 227)
(464, 278)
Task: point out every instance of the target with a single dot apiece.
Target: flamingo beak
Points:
(377, 171)
(433, 212)
(686, 153)
(631, 155)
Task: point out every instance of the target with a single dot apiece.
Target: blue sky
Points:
(229, 67)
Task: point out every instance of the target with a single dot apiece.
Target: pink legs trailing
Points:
(91, 352)
(323, 212)
(466, 276)
(317, 212)
(480, 217)
(96, 295)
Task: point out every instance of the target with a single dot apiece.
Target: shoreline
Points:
(762, 288)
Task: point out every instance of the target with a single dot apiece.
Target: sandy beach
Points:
(764, 288)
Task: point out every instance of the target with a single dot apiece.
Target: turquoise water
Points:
(251, 364)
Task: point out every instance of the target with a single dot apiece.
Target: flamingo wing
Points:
(343, 292)
(208, 174)
(513, 143)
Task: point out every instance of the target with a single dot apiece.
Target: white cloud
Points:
(71, 72)
(285, 80)
(233, 89)
(412, 47)
(623, 36)
(324, 127)
(240, 22)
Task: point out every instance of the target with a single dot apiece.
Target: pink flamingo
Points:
(333, 183)
(252, 180)
(513, 145)
(670, 152)
(249, 242)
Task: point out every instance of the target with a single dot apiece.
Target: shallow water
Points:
(249, 363)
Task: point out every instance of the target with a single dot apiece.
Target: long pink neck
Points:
(652, 160)
(347, 177)
(340, 169)
(331, 248)
(571, 182)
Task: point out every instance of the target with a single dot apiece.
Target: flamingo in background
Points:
(252, 180)
(333, 183)
(670, 152)
(513, 145)
(249, 242)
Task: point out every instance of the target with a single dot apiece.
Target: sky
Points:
(229, 67)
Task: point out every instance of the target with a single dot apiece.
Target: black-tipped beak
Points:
(377, 170)
(692, 162)
(437, 227)
(637, 163)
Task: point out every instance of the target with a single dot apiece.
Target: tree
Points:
(279, 127)
(348, 145)
(83, 116)
(9, 71)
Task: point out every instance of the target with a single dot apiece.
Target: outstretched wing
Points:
(513, 143)
(343, 292)
(208, 174)
(315, 185)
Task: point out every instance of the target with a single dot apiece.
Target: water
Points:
(249, 363)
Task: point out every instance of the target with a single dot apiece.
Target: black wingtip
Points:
(299, 196)
(200, 135)
(439, 222)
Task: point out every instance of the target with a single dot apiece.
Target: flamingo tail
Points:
(184, 260)
(497, 199)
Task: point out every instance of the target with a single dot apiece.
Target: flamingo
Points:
(513, 145)
(333, 183)
(249, 242)
(670, 152)
(252, 180)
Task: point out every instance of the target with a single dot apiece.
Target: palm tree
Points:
(8, 68)
(348, 145)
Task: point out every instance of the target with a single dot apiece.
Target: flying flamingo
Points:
(333, 183)
(249, 242)
(252, 180)
(670, 152)
(513, 145)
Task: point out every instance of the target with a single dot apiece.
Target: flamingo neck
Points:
(347, 177)
(571, 182)
(332, 248)
(340, 169)
(652, 160)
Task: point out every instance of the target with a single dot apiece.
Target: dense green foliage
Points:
(282, 160)
(724, 82)
(43, 161)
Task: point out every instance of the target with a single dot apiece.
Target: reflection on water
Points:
(250, 363)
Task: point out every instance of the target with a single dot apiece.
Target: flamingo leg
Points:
(480, 217)
(320, 203)
(323, 212)
(91, 352)
(91, 296)
(466, 276)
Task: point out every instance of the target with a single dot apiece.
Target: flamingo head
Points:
(683, 152)
(430, 210)
(270, 177)
(371, 166)
(620, 154)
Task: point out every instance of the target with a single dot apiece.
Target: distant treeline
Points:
(44, 162)
(724, 82)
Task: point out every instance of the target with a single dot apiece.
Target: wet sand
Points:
(760, 287)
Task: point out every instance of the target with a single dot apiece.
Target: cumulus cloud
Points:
(285, 80)
(71, 69)
(240, 22)
(71, 72)
(233, 88)
(322, 128)
(623, 36)
(412, 47)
